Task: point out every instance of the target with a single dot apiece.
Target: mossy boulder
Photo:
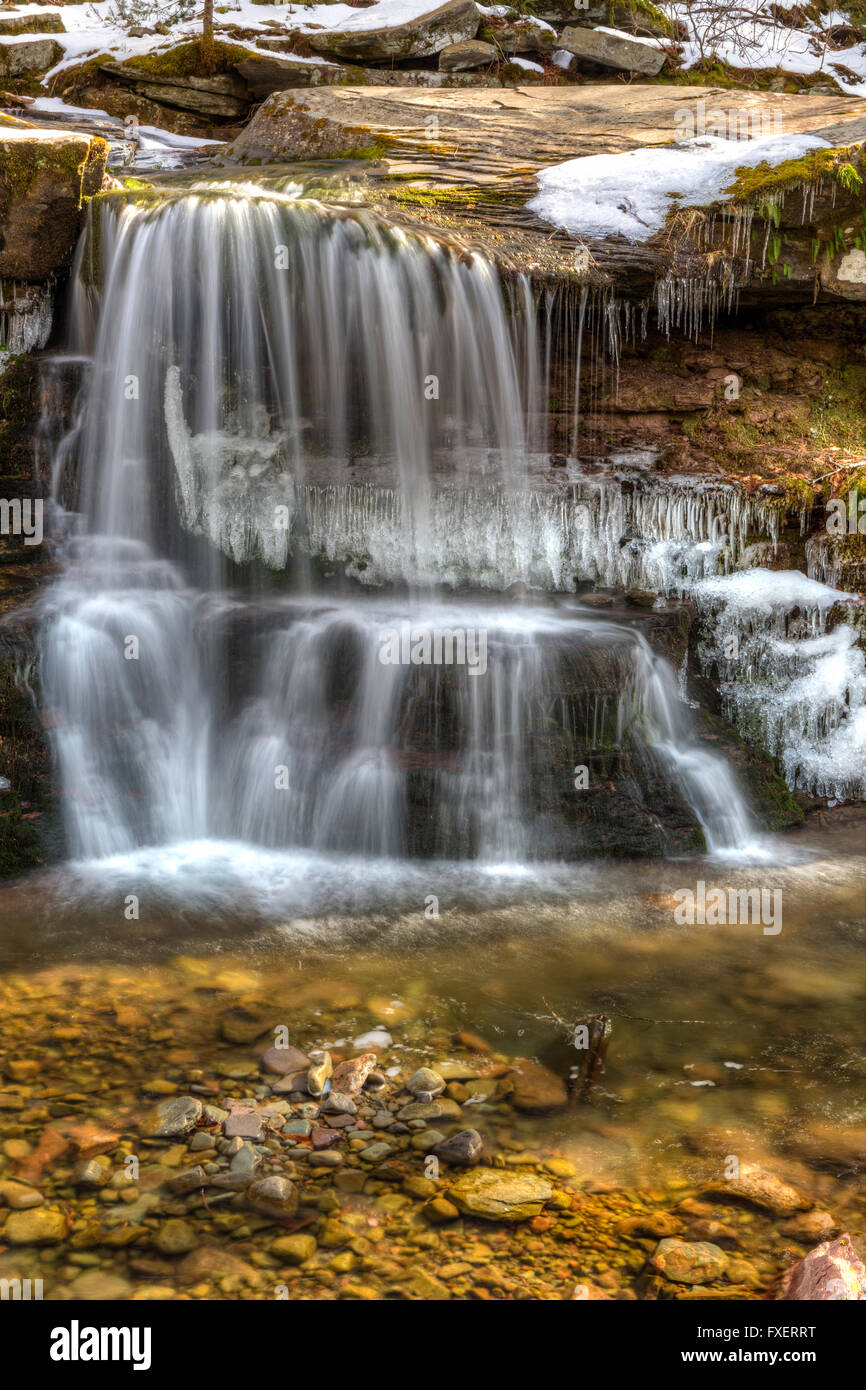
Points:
(28, 56)
(44, 177)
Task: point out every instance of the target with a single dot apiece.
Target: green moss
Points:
(844, 165)
(837, 416)
(189, 60)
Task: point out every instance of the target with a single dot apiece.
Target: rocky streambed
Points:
(324, 1118)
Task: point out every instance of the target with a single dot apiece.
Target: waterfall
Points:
(272, 387)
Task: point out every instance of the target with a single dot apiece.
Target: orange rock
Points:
(89, 1140)
(51, 1146)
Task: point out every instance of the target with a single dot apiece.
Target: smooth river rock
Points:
(685, 1262)
(497, 1196)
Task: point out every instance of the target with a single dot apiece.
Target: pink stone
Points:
(830, 1272)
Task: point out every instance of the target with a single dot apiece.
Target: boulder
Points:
(471, 53)
(832, 1272)
(525, 36)
(28, 57)
(613, 50)
(224, 95)
(50, 23)
(44, 174)
(421, 37)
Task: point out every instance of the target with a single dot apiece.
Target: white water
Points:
(222, 388)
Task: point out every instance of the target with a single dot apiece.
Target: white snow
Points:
(630, 194)
(750, 38)
(771, 589)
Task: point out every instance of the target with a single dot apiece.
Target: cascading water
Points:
(292, 387)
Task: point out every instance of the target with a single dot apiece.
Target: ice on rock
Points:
(788, 682)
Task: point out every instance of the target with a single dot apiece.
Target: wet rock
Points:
(375, 1153)
(836, 1150)
(686, 1263)
(536, 1088)
(172, 1118)
(349, 1077)
(463, 1149)
(100, 1286)
(327, 1158)
(245, 1124)
(245, 1160)
(175, 1237)
(441, 1210)
(470, 53)
(715, 1231)
(473, 1041)
(420, 37)
(338, 1104)
(425, 1081)
(832, 1272)
(496, 1196)
(275, 1197)
(211, 1262)
(324, 1138)
(43, 177)
(285, 1061)
(441, 1109)
(612, 50)
(657, 1225)
(320, 1070)
(38, 1226)
(189, 1180)
(811, 1225)
(20, 1196)
(242, 1025)
(761, 1188)
(88, 1140)
(302, 1128)
(296, 1249)
(93, 1172)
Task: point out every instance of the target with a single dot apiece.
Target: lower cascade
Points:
(333, 401)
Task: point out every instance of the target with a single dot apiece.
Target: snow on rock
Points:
(630, 194)
(751, 37)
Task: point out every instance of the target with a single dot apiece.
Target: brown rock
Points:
(349, 1077)
(44, 174)
(761, 1188)
(811, 1225)
(285, 1061)
(536, 1088)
